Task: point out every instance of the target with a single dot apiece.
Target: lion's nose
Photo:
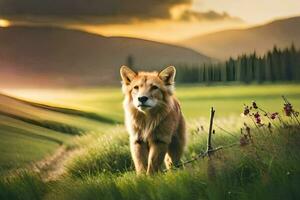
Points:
(143, 99)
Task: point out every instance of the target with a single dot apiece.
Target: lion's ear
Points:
(168, 75)
(127, 75)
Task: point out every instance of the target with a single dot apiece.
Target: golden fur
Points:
(156, 126)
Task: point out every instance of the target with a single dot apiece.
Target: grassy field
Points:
(263, 170)
(22, 143)
(29, 133)
(268, 168)
(196, 100)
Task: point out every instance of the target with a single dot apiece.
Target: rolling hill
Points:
(260, 38)
(48, 56)
(25, 134)
(29, 131)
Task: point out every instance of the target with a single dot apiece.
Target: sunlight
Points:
(177, 11)
(4, 23)
(159, 30)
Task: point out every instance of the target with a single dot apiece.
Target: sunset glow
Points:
(4, 23)
(160, 30)
(186, 20)
(176, 11)
(255, 11)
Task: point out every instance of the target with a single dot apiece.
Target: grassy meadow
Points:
(88, 122)
(196, 100)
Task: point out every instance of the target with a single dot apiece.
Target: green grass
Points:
(262, 170)
(229, 100)
(41, 116)
(266, 169)
(22, 186)
(195, 100)
(106, 152)
(102, 167)
(29, 132)
(22, 143)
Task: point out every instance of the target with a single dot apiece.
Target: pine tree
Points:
(275, 65)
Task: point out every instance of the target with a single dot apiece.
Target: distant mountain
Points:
(260, 38)
(45, 56)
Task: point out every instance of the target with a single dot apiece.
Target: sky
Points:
(252, 11)
(160, 20)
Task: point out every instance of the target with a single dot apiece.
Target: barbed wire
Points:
(203, 155)
(209, 149)
(222, 129)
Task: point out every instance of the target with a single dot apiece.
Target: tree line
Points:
(275, 65)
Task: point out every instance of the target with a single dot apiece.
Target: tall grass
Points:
(266, 169)
(104, 153)
(22, 186)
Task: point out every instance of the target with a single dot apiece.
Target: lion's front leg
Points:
(157, 152)
(139, 152)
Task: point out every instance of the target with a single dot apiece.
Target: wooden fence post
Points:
(211, 171)
(209, 145)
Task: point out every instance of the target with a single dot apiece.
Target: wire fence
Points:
(209, 150)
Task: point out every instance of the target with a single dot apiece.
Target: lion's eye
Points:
(136, 87)
(154, 87)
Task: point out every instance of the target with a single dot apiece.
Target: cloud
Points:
(105, 8)
(190, 15)
(102, 11)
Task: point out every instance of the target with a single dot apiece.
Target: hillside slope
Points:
(30, 131)
(260, 38)
(45, 56)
